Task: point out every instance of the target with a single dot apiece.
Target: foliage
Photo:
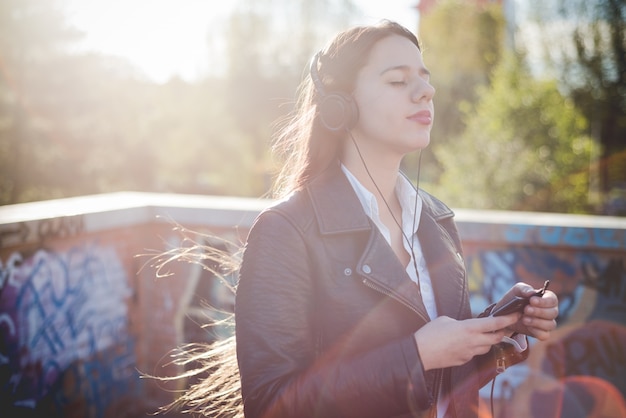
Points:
(589, 55)
(77, 123)
(525, 148)
(270, 43)
(462, 42)
(31, 40)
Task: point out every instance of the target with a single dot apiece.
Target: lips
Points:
(423, 117)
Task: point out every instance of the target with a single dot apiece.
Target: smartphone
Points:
(518, 303)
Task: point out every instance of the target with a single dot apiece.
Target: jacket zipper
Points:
(439, 375)
(437, 388)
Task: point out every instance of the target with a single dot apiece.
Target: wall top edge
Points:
(160, 202)
(538, 219)
(120, 201)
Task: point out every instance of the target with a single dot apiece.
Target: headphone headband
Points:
(315, 75)
(337, 110)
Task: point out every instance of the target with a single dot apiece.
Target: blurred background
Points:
(181, 96)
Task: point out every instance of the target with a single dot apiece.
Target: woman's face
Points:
(394, 97)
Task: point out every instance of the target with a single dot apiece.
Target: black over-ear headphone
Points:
(337, 110)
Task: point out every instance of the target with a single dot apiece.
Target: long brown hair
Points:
(305, 146)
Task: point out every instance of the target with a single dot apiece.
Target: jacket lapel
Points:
(445, 265)
(380, 265)
(336, 206)
(338, 210)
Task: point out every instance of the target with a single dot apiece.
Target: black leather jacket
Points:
(325, 312)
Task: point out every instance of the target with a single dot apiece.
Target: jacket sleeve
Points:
(282, 373)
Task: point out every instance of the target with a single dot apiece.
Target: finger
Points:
(524, 289)
(538, 333)
(492, 338)
(550, 312)
(548, 300)
(487, 339)
(546, 325)
(495, 323)
(507, 320)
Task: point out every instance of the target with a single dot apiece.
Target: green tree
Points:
(588, 54)
(73, 124)
(32, 42)
(70, 121)
(462, 42)
(269, 45)
(200, 149)
(525, 148)
(83, 123)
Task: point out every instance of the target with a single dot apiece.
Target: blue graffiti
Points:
(577, 237)
(64, 330)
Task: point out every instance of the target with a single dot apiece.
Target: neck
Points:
(377, 173)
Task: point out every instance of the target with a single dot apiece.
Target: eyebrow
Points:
(422, 70)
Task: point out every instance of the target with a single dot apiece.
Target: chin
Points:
(422, 142)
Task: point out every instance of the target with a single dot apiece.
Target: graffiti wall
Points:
(64, 344)
(84, 321)
(81, 317)
(581, 370)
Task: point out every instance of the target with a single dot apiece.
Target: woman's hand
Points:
(539, 318)
(446, 342)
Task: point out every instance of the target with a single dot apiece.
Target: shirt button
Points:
(367, 269)
(347, 272)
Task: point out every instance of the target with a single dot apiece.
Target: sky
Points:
(165, 38)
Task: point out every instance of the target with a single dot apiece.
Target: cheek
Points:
(376, 109)
(375, 119)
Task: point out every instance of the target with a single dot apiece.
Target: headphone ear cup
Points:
(338, 111)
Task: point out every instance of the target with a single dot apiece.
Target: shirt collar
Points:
(407, 195)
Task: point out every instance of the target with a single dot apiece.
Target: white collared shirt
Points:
(411, 213)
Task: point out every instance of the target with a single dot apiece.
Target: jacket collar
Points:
(335, 203)
(338, 208)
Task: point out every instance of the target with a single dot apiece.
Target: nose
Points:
(423, 91)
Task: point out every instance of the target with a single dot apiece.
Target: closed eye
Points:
(398, 83)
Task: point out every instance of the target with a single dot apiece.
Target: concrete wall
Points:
(82, 312)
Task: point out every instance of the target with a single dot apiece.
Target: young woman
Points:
(353, 297)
